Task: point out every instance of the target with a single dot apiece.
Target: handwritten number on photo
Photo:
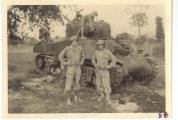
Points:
(163, 114)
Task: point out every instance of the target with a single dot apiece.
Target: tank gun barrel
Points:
(92, 30)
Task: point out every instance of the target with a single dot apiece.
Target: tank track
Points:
(155, 69)
(42, 70)
(39, 69)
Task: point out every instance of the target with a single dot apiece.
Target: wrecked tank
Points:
(130, 66)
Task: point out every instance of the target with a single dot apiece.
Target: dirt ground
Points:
(28, 93)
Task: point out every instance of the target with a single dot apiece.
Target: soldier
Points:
(102, 56)
(75, 58)
(44, 34)
(90, 18)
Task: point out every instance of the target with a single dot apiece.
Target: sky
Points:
(116, 17)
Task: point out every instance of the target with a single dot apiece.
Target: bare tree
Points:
(138, 16)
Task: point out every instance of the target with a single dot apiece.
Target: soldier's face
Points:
(74, 43)
(100, 47)
(94, 14)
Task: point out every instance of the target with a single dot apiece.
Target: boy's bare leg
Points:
(82, 36)
(78, 32)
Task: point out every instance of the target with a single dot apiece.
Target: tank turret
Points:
(101, 29)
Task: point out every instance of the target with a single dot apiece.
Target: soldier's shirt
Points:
(100, 53)
(102, 60)
(74, 55)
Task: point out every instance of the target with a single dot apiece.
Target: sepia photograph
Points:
(96, 58)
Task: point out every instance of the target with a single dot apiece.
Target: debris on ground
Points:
(115, 96)
(148, 99)
(94, 98)
(154, 102)
(128, 107)
(126, 99)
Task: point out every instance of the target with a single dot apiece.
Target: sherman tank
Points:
(130, 66)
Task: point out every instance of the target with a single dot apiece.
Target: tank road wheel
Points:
(83, 81)
(40, 64)
(90, 86)
(116, 76)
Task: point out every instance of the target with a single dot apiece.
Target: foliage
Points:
(15, 42)
(159, 50)
(123, 35)
(35, 16)
(159, 29)
(138, 16)
(32, 41)
(143, 38)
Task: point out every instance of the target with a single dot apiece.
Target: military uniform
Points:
(75, 57)
(102, 66)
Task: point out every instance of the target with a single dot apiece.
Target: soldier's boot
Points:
(108, 99)
(76, 98)
(68, 98)
(101, 96)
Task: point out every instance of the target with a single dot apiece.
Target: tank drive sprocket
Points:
(155, 71)
(40, 64)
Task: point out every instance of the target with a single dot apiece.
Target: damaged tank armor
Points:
(130, 67)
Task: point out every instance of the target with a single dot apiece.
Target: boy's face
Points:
(74, 43)
(94, 14)
(100, 47)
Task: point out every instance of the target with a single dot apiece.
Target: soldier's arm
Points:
(94, 60)
(82, 57)
(61, 56)
(90, 20)
(113, 60)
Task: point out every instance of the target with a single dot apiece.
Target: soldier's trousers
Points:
(73, 71)
(103, 82)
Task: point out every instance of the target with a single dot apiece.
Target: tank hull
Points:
(130, 65)
(134, 66)
(53, 48)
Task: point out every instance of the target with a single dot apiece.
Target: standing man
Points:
(84, 19)
(75, 58)
(102, 56)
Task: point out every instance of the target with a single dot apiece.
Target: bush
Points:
(145, 38)
(159, 50)
(32, 41)
(15, 42)
(122, 36)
